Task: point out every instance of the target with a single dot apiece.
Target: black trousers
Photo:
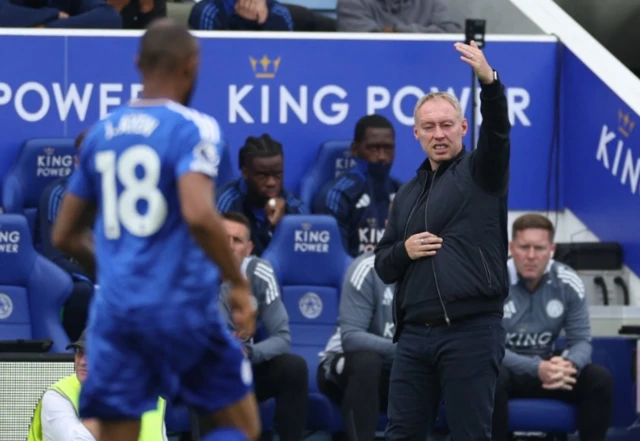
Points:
(592, 394)
(285, 378)
(458, 363)
(359, 383)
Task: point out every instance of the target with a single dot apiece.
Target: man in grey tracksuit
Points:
(355, 366)
(546, 297)
(276, 372)
(414, 16)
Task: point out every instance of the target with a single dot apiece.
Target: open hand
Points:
(474, 57)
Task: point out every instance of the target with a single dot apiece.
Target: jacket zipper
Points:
(406, 230)
(433, 262)
(486, 267)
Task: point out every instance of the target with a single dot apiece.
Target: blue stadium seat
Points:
(309, 262)
(334, 158)
(32, 289)
(227, 172)
(40, 161)
(542, 415)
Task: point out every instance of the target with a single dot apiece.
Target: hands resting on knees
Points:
(557, 373)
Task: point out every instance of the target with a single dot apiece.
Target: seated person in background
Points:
(240, 15)
(276, 372)
(360, 198)
(86, 14)
(138, 14)
(415, 16)
(546, 297)
(259, 194)
(56, 415)
(76, 309)
(356, 364)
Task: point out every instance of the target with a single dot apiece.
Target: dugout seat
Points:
(32, 289)
(39, 162)
(309, 262)
(333, 159)
(226, 171)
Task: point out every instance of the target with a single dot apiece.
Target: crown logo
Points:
(265, 67)
(625, 123)
(49, 150)
(306, 226)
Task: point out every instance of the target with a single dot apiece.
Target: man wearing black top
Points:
(445, 247)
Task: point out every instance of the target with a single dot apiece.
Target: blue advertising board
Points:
(303, 91)
(601, 159)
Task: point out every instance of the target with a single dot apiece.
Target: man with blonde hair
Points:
(445, 247)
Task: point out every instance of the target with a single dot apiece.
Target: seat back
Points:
(309, 261)
(32, 289)
(40, 162)
(333, 159)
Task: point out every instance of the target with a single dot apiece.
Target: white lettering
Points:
(107, 101)
(605, 138)
(264, 104)
(45, 101)
(518, 100)
(340, 109)
(136, 90)
(298, 107)
(5, 94)
(631, 171)
(407, 120)
(235, 106)
(388, 330)
(378, 98)
(616, 160)
(72, 98)
(9, 236)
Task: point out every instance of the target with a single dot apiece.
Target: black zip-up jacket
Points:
(466, 205)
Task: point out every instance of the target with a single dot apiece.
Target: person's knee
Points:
(599, 380)
(293, 371)
(365, 365)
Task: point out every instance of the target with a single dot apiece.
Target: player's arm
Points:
(196, 191)
(72, 230)
(577, 325)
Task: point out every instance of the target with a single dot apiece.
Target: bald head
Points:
(166, 47)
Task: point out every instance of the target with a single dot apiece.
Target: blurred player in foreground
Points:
(146, 178)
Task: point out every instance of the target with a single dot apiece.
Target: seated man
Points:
(76, 309)
(259, 194)
(240, 15)
(360, 198)
(356, 364)
(56, 415)
(71, 14)
(546, 297)
(276, 372)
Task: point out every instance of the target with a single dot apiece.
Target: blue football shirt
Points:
(129, 166)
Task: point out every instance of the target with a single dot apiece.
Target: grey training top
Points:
(533, 321)
(365, 321)
(271, 311)
(414, 16)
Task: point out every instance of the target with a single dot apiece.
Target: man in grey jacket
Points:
(355, 367)
(277, 373)
(411, 16)
(546, 297)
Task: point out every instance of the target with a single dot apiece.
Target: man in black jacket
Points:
(445, 247)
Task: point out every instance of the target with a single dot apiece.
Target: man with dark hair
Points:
(76, 308)
(359, 199)
(545, 298)
(276, 372)
(259, 194)
(159, 260)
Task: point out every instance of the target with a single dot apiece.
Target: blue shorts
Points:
(182, 353)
